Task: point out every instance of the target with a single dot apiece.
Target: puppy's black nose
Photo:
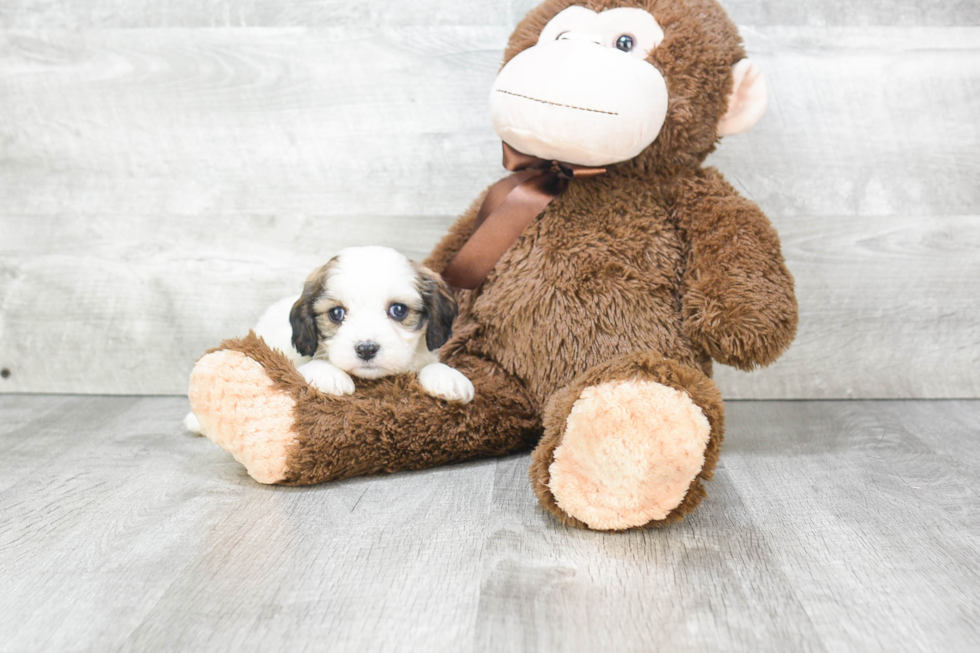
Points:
(367, 350)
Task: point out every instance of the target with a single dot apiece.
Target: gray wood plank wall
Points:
(168, 170)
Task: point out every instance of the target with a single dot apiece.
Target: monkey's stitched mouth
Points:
(557, 104)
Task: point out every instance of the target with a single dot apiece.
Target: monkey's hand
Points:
(738, 300)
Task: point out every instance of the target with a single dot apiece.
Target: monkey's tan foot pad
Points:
(630, 451)
(242, 411)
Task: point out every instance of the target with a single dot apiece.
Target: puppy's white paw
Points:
(192, 425)
(327, 378)
(446, 383)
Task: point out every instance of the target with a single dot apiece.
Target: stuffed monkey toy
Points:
(595, 285)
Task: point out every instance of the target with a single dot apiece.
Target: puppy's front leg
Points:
(327, 378)
(446, 383)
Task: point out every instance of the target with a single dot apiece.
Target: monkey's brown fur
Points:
(649, 271)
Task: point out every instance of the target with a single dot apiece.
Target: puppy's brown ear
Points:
(440, 308)
(306, 336)
(302, 317)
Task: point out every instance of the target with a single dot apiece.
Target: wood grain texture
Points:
(888, 309)
(395, 122)
(159, 187)
(145, 301)
(101, 14)
(831, 526)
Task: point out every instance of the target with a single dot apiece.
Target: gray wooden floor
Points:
(831, 526)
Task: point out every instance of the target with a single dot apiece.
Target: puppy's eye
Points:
(398, 311)
(561, 37)
(336, 314)
(624, 43)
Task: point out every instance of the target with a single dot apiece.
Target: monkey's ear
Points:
(440, 308)
(306, 335)
(748, 100)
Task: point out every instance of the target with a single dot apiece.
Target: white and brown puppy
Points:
(371, 312)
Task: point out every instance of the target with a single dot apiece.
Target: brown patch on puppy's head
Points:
(303, 316)
(439, 307)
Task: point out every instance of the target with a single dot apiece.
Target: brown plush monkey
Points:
(598, 300)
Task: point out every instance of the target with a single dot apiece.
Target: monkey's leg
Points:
(629, 444)
(254, 404)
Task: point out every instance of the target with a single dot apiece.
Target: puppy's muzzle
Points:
(367, 350)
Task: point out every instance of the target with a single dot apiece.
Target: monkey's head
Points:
(598, 82)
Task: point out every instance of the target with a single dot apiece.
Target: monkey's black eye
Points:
(336, 314)
(624, 43)
(398, 311)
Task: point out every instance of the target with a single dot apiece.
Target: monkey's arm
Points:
(738, 298)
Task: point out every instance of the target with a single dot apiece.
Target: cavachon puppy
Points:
(369, 312)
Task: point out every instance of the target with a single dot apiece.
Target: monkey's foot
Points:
(630, 452)
(628, 444)
(244, 412)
